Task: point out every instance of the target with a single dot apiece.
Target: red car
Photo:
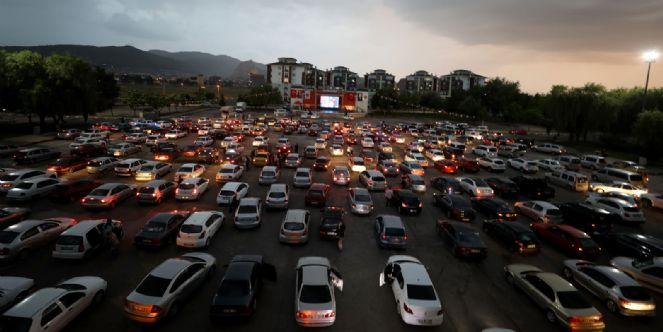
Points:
(569, 239)
(468, 165)
(317, 194)
(12, 215)
(68, 164)
(446, 166)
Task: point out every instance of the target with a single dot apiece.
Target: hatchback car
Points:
(232, 191)
(160, 229)
(331, 221)
(360, 201)
(278, 196)
(199, 228)
(454, 206)
(191, 189)
(462, 239)
(390, 232)
(269, 175)
(295, 226)
(340, 175)
(317, 194)
(302, 178)
(373, 180)
(248, 213)
(315, 280)
(516, 237)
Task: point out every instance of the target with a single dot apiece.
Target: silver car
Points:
(373, 180)
(315, 280)
(302, 178)
(269, 175)
(9, 180)
(248, 213)
(108, 195)
(161, 292)
(360, 201)
(277, 197)
(616, 289)
(295, 226)
(341, 175)
(647, 272)
(18, 240)
(32, 188)
(293, 160)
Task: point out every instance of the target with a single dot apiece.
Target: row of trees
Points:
(137, 100)
(53, 86)
(261, 96)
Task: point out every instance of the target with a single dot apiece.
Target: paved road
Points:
(474, 295)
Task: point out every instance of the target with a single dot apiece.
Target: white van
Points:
(593, 161)
(568, 179)
(610, 174)
(83, 239)
(571, 163)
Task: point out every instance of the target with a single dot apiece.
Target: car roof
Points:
(83, 226)
(415, 273)
(295, 215)
(318, 186)
(303, 169)
(269, 168)
(154, 183)
(170, 268)
(188, 165)
(558, 283)
(546, 205)
(239, 270)
(390, 221)
(340, 168)
(231, 185)
(572, 231)
(191, 180)
(360, 190)
(198, 218)
(35, 302)
(249, 201)
(110, 185)
(621, 278)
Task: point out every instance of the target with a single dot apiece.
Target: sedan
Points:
(539, 211)
(494, 208)
(462, 239)
(646, 272)
(229, 172)
(390, 232)
(153, 171)
(454, 206)
(315, 280)
(620, 293)
(570, 240)
(561, 302)
(317, 194)
(523, 165)
(161, 292)
(31, 189)
(68, 165)
(476, 187)
(191, 189)
(189, 171)
(515, 236)
(503, 187)
(108, 195)
(19, 240)
(411, 167)
(12, 215)
(447, 185)
(240, 287)
(406, 201)
(160, 229)
(14, 290)
(123, 149)
(446, 166)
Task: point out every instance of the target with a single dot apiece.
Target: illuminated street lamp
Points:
(648, 57)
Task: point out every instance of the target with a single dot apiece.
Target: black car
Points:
(163, 145)
(462, 239)
(160, 229)
(209, 155)
(240, 286)
(494, 208)
(447, 185)
(330, 222)
(321, 163)
(587, 218)
(406, 201)
(454, 206)
(518, 238)
(386, 156)
(503, 187)
(633, 245)
(533, 187)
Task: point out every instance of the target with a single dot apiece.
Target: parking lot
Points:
(474, 295)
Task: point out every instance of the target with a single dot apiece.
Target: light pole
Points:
(649, 57)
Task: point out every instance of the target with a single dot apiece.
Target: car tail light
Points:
(4, 251)
(304, 314)
(103, 200)
(202, 235)
(404, 237)
(407, 309)
(439, 312)
(81, 248)
(384, 237)
(330, 314)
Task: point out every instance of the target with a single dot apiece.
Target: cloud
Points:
(545, 25)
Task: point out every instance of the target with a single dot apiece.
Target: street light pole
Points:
(649, 57)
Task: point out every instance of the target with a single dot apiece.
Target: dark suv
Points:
(534, 188)
(588, 218)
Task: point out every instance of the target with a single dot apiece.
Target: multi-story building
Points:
(420, 81)
(287, 73)
(459, 80)
(378, 79)
(342, 78)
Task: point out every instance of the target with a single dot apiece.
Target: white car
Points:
(232, 191)
(540, 211)
(13, 178)
(302, 178)
(621, 187)
(485, 151)
(269, 175)
(417, 301)
(226, 141)
(153, 171)
(360, 201)
(337, 150)
(260, 141)
(367, 142)
(123, 149)
(248, 213)
(646, 272)
(356, 164)
(78, 142)
(549, 148)
(32, 188)
(203, 141)
(320, 144)
(155, 139)
(199, 228)
(14, 289)
(476, 187)
(652, 200)
(627, 212)
(435, 154)
(229, 172)
(191, 189)
(101, 165)
(493, 164)
(161, 292)
(341, 175)
(416, 157)
(189, 170)
(18, 240)
(53, 308)
(315, 280)
(523, 165)
(175, 134)
(136, 138)
(128, 167)
(550, 165)
(385, 147)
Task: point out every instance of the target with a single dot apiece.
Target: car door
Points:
(50, 231)
(535, 287)
(31, 238)
(212, 224)
(73, 303)
(51, 318)
(378, 226)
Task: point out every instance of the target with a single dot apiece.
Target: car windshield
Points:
(99, 192)
(586, 242)
(315, 294)
(469, 237)
(636, 293)
(390, 231)
(268, 173)
(418, 182)
(9, 177)
(156, 227)
(315, 193)
(70, 240)
(573, 300)
(379, 179)
(7, 236)
(24, 185)
(362, 198)
(301, 175)
(342, 173)
(185, 170)
(293, 226)
(187, 186)
(187, 228)
(153, 286)
(227, 170)
(146, 190)
(421, 292)
(276, 194)
(246, 209)
(227, 193)
(234, 288)
(480, 183)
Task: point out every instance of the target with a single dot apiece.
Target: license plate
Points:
(425, 321)
(475, 251)
(331, 233)
(531, 246)
(229, 310)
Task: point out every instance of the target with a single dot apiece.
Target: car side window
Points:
(47, 226)
(654, 271)
(598, 277)
(181, 279)
(50, 313)
(210, 221)
(69, 299)
(299, 278)
(30, 233)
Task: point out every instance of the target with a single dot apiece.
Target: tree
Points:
(25, 76)
(647, 130)
(135, 100)
(385, 99)
(261, 96)
(222, 100)
(472, 107)
(431, 100)
(107, 89)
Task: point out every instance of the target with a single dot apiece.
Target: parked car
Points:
(550, 165)
(454, 206)
(232, 191)
(71, 133)
(84, 239)
(34, 155)
(240, 287)
(161, 292)
(295, 227)
(634, 245)
(406, 201)
(155, 191)
(160, 230)
(278, 196)
(390, 232)
(534, 188)
(360, 201)
(108, 195)
(414, 292)
(331, 220)
(447, 185)
(628, 213)
(191, 189)
(302, 178)
(31, 188)
(152, 171)
(568, 239)
(12, 215)
(476, 187)
(462, 239)
(515, 236)
(315, 280)
(229, 172)
(523, 165)
(494, 208)
(199, 228)
(248, 213)
(549, 148)
(646, 272)
(617, 186)
(503, 187)
(562, 302)
(66, 165)
(19, 240)
(539, 211)
(11, 179)
(53, 308)
(586, 217)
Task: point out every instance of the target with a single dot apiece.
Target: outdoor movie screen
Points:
(329, 102)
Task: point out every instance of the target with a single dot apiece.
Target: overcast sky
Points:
(536, 42)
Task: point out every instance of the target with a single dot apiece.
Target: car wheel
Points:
(98, 298)
(550, 316)
(567, 274)
(611, 305)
